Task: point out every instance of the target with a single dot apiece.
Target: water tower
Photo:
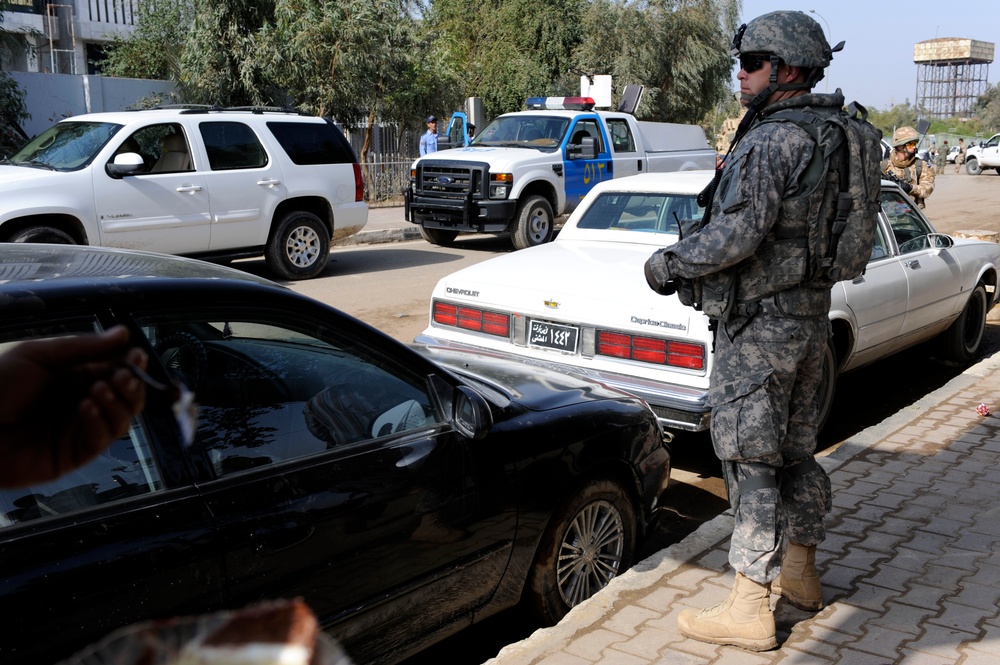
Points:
(951, 74)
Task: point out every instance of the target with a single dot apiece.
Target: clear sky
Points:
(876, 66)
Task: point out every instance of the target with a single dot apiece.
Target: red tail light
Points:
(650, 350)
(471, 318)
(359, 183)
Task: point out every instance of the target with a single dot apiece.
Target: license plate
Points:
(545, 335)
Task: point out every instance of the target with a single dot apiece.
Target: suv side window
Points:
(163, 148)
(309, 143)
(232, 145)
(125, 469)
(268, 393)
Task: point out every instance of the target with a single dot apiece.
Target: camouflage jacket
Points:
(921, 178)
(750, 209)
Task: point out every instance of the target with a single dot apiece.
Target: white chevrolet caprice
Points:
(582, 302)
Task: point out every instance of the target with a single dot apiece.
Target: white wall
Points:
(52, 97)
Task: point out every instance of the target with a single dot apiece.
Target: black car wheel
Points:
(589, 542)
(299, 247)
(972, 167)
(441, 237)
(48, 234)
(962, 340)
(533, 223)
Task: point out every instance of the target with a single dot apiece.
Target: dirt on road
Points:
(965, 202)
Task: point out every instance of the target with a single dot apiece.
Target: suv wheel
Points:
(48, 234)
(972, 167)
(299, 247)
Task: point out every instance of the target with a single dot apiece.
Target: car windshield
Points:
(641, 211)
(67, 146)
(540, 132)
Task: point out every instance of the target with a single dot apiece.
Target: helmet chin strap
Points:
(757, 102)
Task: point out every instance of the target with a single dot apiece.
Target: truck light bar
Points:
(560, 103)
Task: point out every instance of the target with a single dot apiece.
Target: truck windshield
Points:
(67, 146)
(639, 211)
(540, 132)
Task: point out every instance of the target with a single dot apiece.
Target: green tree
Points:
(221, 60)
(677, 49)
(154, 49)
(359, 61)
(988, 110)
(508, 50)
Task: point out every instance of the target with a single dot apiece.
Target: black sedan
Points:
(403, 497)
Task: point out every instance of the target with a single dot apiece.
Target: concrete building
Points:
(66, 36)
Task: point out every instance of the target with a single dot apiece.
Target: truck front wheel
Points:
(299, 247)
(48, 234)
(442, 237)
(533, 223)
(972, 167)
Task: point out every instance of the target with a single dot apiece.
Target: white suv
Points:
(205, 182)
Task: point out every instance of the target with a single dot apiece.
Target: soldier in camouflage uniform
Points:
(914, 175)
(769, 350)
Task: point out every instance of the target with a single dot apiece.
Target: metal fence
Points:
(385, 181)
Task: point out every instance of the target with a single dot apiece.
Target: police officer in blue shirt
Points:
(429, 141)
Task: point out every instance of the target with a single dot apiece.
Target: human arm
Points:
(62, 401)
(924, 184)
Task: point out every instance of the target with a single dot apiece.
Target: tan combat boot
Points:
(744, 619)
(798, 582)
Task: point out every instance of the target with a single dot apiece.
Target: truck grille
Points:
(450, 179)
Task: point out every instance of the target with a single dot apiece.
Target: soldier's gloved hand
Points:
(906, 187)
(658, 275)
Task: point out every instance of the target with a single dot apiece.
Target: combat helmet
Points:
(904, 135)
(788, 36)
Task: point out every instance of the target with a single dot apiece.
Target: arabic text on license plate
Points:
(553, 336)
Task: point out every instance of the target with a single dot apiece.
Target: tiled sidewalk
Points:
(910, 568)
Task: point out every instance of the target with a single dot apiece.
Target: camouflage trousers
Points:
(765, 416)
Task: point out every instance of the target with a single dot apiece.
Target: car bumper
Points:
(676, 407)
(466, 215)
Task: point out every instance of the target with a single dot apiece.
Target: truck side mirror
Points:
(587, 149)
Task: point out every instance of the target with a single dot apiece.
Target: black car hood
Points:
(532, 385)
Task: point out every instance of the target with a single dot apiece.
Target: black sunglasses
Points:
(751, 62)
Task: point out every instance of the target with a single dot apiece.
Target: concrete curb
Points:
(647, 573)
(380, 236)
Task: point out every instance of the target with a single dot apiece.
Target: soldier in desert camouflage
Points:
(772, 333)
(914, 176)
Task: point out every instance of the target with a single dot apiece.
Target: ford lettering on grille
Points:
(545, 335)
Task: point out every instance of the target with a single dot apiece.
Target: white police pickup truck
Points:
(979, 158)
(527, 168)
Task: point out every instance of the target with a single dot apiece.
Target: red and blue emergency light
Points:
(560, 103)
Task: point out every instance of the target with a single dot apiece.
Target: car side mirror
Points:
(940, 241)
(585, 150)
(124, 164)
(467, 411)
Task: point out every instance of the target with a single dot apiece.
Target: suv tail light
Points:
(471, 318)
(653, 350)
(359, 183)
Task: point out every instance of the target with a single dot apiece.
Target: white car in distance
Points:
(581, 303)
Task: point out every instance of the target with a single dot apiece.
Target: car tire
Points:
(972, 167)
(299, 247)
(827, 390)
(961, 341)
(587, 543)
(442, 237)
(533, 223)
(46, 234)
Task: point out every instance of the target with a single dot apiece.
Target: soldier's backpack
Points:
(846, 163)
